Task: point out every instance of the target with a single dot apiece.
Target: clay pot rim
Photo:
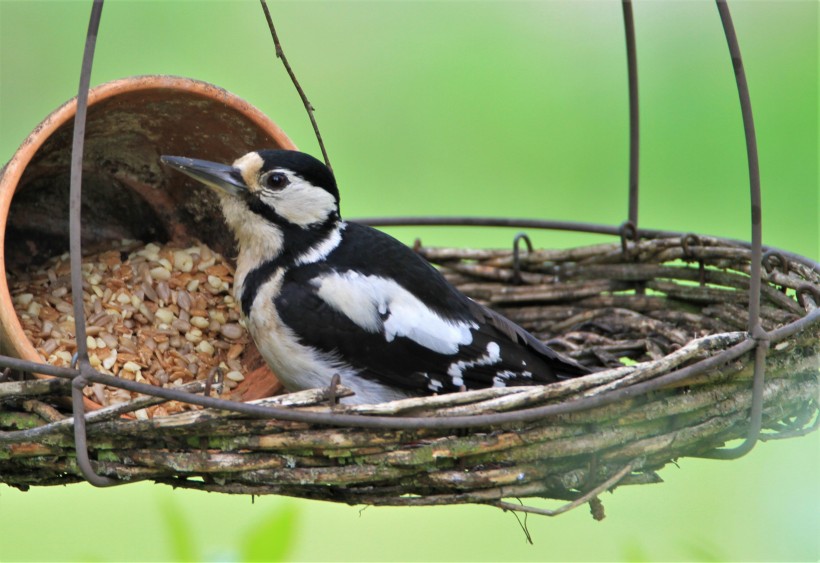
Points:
(12, 172)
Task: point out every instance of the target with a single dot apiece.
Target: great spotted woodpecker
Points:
(321, 296)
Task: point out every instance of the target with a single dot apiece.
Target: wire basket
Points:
(681, 398)
(682, 327)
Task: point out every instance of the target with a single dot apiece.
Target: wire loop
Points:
(516, 277)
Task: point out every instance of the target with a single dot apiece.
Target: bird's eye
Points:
(276, 180)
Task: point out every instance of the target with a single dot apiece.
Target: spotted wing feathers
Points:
(561, 365)
(403, 325)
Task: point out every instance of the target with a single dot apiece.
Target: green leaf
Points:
(703, 551)
(272, 538)
(180, 538)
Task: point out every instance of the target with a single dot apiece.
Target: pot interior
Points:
(126, 192)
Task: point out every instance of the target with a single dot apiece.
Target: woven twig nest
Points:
(656, 317)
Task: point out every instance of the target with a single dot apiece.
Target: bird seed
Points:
(155, 314)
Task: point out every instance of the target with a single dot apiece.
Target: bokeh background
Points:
(515, 109)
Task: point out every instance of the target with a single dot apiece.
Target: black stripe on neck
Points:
(296, 239)
(296, 242)
(253, 282)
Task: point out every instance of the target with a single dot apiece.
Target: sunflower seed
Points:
(231, 331)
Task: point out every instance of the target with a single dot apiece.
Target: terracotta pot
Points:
(127, 193)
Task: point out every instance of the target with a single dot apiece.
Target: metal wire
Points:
(76, 178)
(516, 278)
(411, 422)
(75, 245)
(401, 423)
(759, 340)
(490, 222)
(634, 133)
(547, 224)
(760, 336)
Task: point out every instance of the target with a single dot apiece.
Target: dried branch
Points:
(280, 53)
(583, 499)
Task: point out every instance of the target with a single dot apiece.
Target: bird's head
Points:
(285, 187)
(270, 195)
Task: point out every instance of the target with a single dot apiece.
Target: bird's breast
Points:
(296, 365)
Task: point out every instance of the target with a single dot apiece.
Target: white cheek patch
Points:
(259, 240)
(301, 203)
(377, 305)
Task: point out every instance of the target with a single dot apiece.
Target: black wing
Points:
(498, 352)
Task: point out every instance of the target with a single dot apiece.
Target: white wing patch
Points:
(501, 378)
(378, 304)
(301, 203)
(303, 367)
(456, 369)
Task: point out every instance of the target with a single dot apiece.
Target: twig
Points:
(538, 394)
(280, 53)
(106, 413)
(693, 349)
(296, 399)
(523, 525)
(794, 432)
(44, 411)
(429, 403)
(583, 499)
(34, 387)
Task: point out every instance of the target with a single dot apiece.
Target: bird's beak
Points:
(219, 177)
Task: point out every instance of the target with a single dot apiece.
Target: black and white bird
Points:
(321, 296)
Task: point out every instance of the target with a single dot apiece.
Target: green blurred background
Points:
(511, 109)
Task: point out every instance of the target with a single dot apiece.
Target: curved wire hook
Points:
(516, 278)
(80, 359)
(627, 231)
(685, 242)
(757, 332)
